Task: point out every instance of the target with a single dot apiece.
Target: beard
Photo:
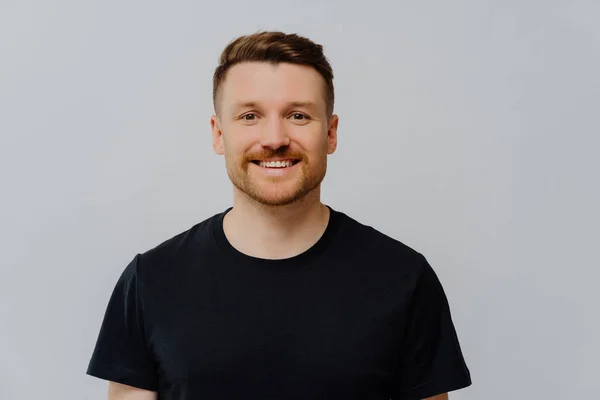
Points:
(276, 190)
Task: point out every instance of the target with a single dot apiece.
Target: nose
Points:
(274, 134)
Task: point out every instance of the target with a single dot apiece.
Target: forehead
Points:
(268, 83)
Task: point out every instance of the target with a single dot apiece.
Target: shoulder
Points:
(377, 257)
(166, 257)
(377, 243)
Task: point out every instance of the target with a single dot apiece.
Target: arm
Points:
(431, 363)
(122, 355)
(443, 396)
(118, 391)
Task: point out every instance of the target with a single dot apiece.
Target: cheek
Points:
(318, 146)
(311, 139)
(232, 143)
(237, 151)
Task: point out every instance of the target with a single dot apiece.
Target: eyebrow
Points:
(253, 104)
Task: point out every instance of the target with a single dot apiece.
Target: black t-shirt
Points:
(357, 316)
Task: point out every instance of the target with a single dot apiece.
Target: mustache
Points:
(269, 154)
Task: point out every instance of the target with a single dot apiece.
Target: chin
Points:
(278, 198)
(273, 193)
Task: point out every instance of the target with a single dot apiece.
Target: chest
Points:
(300, 332)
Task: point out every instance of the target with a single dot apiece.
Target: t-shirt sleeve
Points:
(121, 353)
(431, 360)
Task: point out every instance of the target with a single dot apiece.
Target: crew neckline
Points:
(304, 258)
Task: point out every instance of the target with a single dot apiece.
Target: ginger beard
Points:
(304, 177)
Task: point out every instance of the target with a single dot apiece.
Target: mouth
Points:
(276, 164)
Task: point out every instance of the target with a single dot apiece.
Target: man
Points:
(279, 296)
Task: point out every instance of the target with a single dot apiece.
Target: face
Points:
(273, 128)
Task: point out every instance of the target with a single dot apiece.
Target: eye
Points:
(299, 116)
(249, 117)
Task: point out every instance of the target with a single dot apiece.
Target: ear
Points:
(217, 135)
(332, 134)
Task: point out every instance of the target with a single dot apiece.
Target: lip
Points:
(277, 159)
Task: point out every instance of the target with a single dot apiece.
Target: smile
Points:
(276, 164)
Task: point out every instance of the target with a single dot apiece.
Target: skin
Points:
(117, 391)
(270, 112)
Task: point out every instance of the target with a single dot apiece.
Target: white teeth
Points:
(276, 164)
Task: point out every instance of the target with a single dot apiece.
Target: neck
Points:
(275, 232)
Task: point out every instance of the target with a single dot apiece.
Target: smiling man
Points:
(279, 296)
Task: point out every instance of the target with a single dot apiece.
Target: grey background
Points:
(468, 130)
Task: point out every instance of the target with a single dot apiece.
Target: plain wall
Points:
(469, 130)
